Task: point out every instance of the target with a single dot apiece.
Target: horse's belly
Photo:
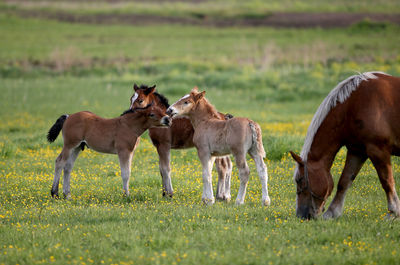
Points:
(109, 150)
(223, 151)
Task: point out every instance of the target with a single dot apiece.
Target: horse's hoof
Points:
(67, 196)
(391, 216)
(329, 215)
(168, 194)
(266, 201)
(239, 202)
(225, 198)
(219, 198)
(54, 194)
(207, 201)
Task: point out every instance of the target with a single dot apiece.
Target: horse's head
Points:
(186, 103)
(143, 96)
(155, 116)
(313, 188)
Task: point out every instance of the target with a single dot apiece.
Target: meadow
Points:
(277, 77)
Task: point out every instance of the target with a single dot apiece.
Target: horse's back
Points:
(239, 132)
(373, 111)
(82, 119)
(84, 125)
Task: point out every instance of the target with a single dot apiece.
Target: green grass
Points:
(75, 67)
(216, 9)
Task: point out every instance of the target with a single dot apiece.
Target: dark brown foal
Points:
(113, 136)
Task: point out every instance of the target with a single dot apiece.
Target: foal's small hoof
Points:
(54, 194)
(168, 194)
(224, 198)
(207, 201)
(239, 202)
(266, 201)
(227, 199)
(67, 196)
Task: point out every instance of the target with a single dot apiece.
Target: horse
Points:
(361, 113)
(215, 137)
(113, 136)
(178, 136)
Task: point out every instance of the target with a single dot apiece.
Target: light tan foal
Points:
(215, 137)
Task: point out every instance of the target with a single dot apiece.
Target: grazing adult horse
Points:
(363, 114)
(178, 136)
(214, 136)
(114, 136)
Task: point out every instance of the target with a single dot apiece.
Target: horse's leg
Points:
(228, 178)
(163, 151)
(220, 165)
(125, 159)
(380, 158)
(351, 168)
(59, 165)
(224, 169)
(207, 162)
(67, 171)
(263, 174)
(243, 175)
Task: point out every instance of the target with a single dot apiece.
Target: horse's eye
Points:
(186, 102)
(140, 101)
(152, 115)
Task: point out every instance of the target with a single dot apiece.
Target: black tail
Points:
(56, 128)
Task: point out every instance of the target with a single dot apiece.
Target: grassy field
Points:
(209, 8)
(277, 77)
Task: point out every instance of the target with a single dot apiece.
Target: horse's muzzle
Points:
(166, 121)
(304, 212)
(171, 112)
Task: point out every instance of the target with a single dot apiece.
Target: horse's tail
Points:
(56, 128)
(257, 138)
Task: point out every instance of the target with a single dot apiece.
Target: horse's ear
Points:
(195, 90)
(199, 96)
(150, 90)
(135, 87)
(297, 158)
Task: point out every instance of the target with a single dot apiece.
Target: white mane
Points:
(338, 95)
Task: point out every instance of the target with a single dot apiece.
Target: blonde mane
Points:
(338, 95)
(211, 110)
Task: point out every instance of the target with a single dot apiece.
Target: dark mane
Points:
(163, 99)
(127, 112)
(135, 109)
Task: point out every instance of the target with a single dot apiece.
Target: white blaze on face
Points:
(185, 96)
(173, 109)
(133, 99)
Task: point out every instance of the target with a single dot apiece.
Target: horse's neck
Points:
(324, 147)
(159, 103)
(204, 111)
(135, 122)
